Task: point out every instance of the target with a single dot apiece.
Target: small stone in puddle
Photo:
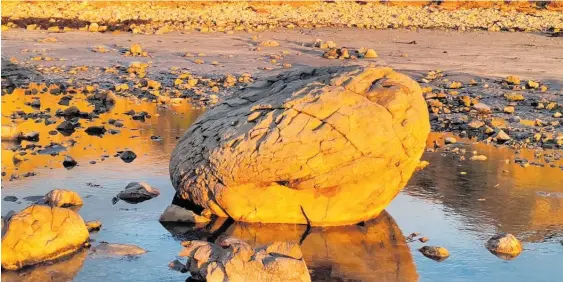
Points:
(63, 198)
(93, 225)
(10, 198)
(30, 136)
(505, 246)
(435, 253)
(49, 121)
(174, 213)
(128, 156)
(108, 249)
(69, 162)
(95, 130)
(136, 192)
(450, 140)
(178, 266)
(72, 111)
(66, 126)
(36, 103)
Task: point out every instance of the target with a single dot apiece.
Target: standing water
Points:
(457, 204)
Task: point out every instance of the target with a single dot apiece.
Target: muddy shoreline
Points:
(204, 69)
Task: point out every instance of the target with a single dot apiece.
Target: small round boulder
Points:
(63, 198)
(41, 233)
(504, 245)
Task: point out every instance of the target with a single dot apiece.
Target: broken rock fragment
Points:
(128, 156)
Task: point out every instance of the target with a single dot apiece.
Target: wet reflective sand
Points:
(132, 136)
(454, 210)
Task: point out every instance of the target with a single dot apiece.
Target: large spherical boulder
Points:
(41, 233)
(325, 146)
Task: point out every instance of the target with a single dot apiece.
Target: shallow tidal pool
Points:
(457, 204)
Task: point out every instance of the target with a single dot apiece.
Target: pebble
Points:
(435, 253)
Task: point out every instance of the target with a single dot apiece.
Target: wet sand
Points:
(477, 53)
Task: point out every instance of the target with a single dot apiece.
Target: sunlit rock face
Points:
(331, 146)
(41, 233)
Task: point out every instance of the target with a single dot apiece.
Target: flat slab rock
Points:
(328, 146)
(111, 249)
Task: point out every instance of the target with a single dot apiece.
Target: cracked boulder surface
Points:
(235, 260)
(39, 234)
(324, 146)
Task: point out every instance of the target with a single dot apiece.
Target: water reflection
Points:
(373, 251)
(134, 134)
(64, 270)
(524, 201)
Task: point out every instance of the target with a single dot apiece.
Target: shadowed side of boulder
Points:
(325, 146)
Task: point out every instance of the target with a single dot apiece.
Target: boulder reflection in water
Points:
(375, 250)
(62, 270)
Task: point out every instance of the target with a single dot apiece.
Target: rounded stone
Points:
(325, 146)
(504, 245)
(41, 233)
(63, 198)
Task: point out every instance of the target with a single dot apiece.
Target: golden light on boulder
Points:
(324, 146)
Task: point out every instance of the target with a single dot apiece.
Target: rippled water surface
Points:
(456, 204)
